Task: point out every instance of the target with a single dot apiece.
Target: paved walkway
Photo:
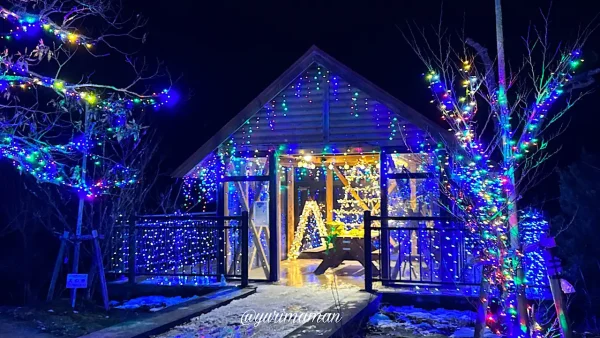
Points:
(228, 321)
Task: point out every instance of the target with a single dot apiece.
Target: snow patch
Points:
(409, 321)
(152, 303)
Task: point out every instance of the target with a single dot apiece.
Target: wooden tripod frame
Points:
(97, 257)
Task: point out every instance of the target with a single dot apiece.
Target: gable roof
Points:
(313, 55)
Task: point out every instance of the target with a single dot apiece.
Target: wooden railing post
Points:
(368, 254)
(384, 252)
(221, 233)
(273, 216)
(132, 250)
(244, 230)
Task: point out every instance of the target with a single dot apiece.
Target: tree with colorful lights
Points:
(502, 127)
(62, 120)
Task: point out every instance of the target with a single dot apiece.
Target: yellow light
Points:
(88, 45)
(72, 37)
(59, 85)
(91, 99)
(308, 158)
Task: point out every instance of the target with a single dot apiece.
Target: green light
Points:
(575, 63)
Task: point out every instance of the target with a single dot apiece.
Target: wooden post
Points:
(100, 266)
(227, 253)
(384, 252)
(91, 276)
(80, 209)
(273, 230)
(280, 212)
(57, 264)
(368, 256)
(132, 250)
(329, 196)
(554, 271)
(245, 243)
(291, 206)
(221, 226)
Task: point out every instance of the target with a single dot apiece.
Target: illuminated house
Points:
(324, 144)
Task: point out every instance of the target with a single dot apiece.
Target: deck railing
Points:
(419, 251)
(180, 246)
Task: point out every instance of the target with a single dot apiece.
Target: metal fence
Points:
(190, 245)
(419, 251)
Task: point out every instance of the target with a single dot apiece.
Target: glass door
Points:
(248, 186)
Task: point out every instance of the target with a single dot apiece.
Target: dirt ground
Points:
(59, 320)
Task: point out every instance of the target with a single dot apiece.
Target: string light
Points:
(311, 208)
(111, 117)
(29, 24)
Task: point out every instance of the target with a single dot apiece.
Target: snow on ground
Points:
(182, 280)
(153, 303)
(408, 321)
(226, 320)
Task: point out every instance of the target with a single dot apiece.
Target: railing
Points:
(418, 251)
(180, 246)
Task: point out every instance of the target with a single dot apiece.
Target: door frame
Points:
(273, 212)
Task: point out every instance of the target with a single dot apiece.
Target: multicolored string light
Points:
(28, 24)
(41, 145)
(481, 187)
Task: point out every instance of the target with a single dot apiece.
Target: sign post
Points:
(80, 280)
(77, 281)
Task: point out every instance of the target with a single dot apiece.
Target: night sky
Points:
(229, 51)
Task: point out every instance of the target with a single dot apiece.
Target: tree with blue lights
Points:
(502, 125)
(73, 95)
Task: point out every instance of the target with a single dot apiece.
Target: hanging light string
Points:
(31, 24)
(33, 140)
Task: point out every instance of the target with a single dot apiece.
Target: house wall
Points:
(320, 110)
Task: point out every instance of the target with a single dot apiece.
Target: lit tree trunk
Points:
(484, 290)
(507, 154)
(77, 250)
